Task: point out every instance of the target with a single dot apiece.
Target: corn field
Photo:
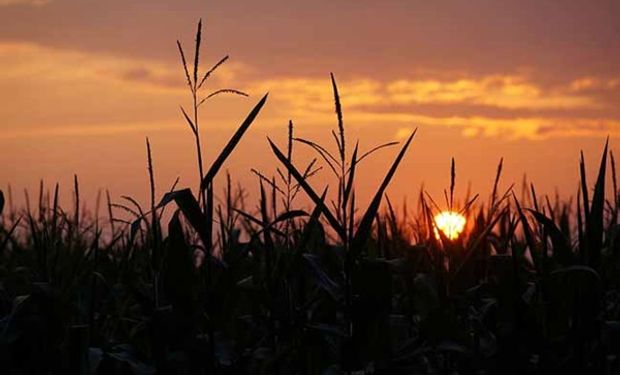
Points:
(191, 284)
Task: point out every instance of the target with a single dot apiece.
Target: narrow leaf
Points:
(365, 226)
(228, 149)
(595, 219)
(306, 187)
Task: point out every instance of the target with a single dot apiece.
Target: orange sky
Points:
(83, 82)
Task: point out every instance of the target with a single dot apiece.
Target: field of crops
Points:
(192, 284)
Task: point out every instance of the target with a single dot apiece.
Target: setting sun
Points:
(450, 223)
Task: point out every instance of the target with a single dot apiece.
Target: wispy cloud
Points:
(51, 87)
(507, 91)
(36, 62)
(502, 106)
(28, 61)
(24, 2)
(80, 130)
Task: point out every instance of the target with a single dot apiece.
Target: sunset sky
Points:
(83, 82)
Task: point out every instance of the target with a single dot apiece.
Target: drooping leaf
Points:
(188, 204)
(313, 224)
(529, 237)
(323, 153)
(561, 246)
(134, 228)
(289, 215)
(222, 91)
(375, 149)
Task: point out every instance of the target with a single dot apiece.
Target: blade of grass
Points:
(583, 257)
(584, 187)
(452, 181)
(232, 143)
(595, 220)
(529, 237)
(364, 228)
(190, 122)
(614, 186)
(301, 180)
(76, 190)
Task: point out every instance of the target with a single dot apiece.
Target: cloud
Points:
(589, 84)
(28, 61)
(45, 89)
(504, 92)
(492, 106)
(21, 60)
(24, 2)
(80, 130)
(507, 91)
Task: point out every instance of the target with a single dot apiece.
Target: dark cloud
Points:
(370, 38)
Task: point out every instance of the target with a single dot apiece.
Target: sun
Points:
(450, 223)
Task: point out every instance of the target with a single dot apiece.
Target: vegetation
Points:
(532, 286)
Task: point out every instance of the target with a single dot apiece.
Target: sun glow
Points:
(450, 223)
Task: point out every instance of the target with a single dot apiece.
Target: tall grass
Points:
(224, 287)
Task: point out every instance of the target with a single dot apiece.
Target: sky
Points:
(84, 82)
